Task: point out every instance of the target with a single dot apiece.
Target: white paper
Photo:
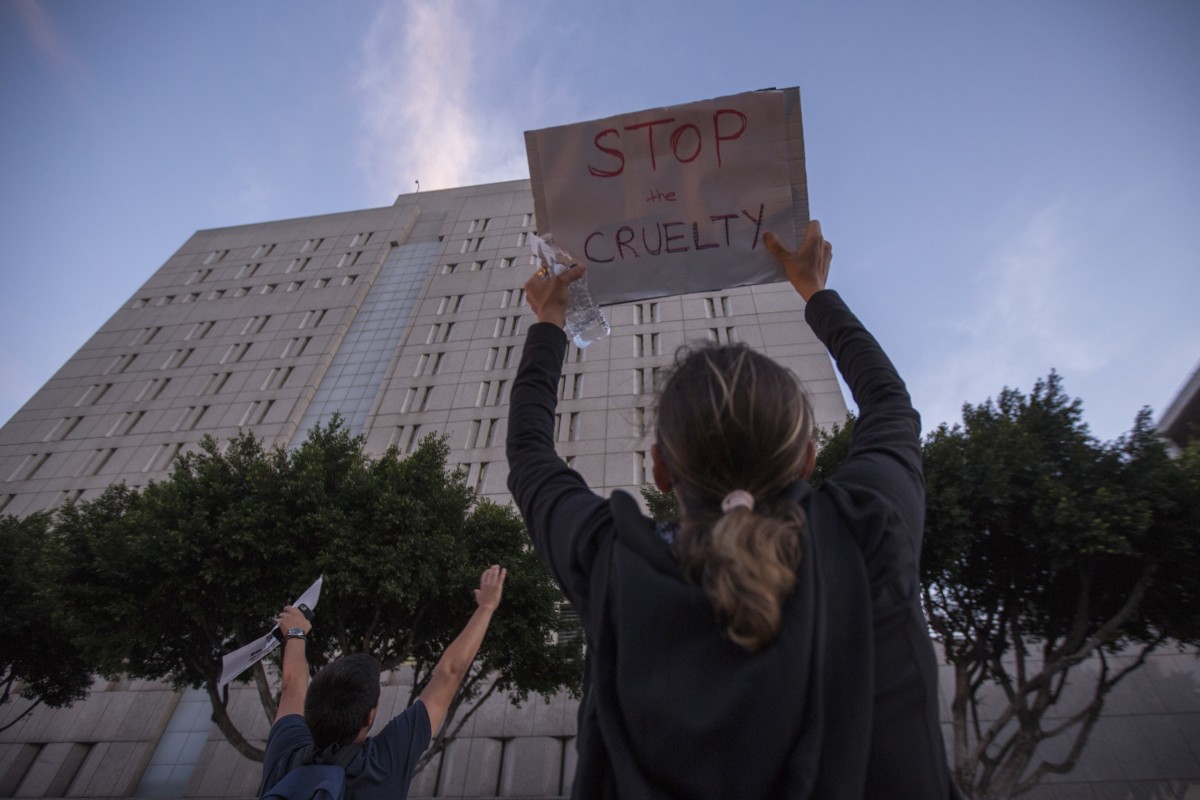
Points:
(237, 662)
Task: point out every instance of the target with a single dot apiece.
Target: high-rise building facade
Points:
(407, 320)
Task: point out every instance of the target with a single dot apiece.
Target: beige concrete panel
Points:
(19, 503)
(470, 768)
(246, 711)
(488, 719)
(828, 408)
(599, 351)
(778, 297)
(112, 769)
(620, 469)
(28, 432)
(570, 762)
(592, 423)
(424, 783)
(223, 772)
(552, 716)
(750, 335)
(625, 423)
(591, 467)
(139, 716)
(12, 765)
(532, 766)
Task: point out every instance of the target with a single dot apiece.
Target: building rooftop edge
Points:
(401, 200)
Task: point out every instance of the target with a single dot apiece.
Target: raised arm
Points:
(560, 511)
(295, 662)
(885, 450)
(452, 667)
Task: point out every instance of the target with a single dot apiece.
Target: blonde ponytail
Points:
(746, 564)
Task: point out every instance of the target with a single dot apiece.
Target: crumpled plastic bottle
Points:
(585, 322)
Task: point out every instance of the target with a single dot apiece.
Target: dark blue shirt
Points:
(381, 771)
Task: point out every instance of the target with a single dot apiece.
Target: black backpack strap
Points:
(338, 755)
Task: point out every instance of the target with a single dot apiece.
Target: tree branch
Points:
(22, 715)
(265, 696)
(220, 715)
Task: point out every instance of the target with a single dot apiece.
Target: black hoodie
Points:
(843, 703)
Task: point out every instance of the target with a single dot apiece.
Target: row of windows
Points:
(311, 319)
(495, 392)
(243, 291)
(68, 772)
(472, 244)
(477, 473)
(234, 353)
(452, 303)
(478, 265)
(189, 418)
(307, 246)
(251, 268)
(95, 461)
(276, 378)
(485, 223)
(503, 357)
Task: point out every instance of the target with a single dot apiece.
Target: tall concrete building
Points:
(408, 320)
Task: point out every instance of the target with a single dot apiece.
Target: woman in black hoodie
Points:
(772, 644)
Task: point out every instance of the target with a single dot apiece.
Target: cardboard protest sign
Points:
(674, 200)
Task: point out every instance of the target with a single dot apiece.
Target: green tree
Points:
(1045, 548)
(832, 447)
(39, 648)
(663, 506)
(233, 534)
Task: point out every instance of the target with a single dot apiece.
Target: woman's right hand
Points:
(547, 294)
(807, 268)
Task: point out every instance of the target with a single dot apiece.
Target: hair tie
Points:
(738, 498)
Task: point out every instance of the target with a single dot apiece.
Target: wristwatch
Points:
(295, 633)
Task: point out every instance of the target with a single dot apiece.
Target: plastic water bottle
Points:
(585, 322)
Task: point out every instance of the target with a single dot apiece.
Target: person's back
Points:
(731, 655)
(327, 722)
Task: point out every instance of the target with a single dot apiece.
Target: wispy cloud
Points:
(52, 46)
(1034, 308)
(421, 117)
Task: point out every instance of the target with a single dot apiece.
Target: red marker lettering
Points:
(650, 136)
(730, 136)
(670, 238)
(677, 134)
(612, 151)
(726, 218)
(696, 238)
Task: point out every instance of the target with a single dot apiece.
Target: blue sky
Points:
(1010, 187)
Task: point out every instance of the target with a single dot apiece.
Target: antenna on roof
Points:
(418, 183)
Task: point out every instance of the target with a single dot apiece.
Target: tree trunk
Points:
(220, 716)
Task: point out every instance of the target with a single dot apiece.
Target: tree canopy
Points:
(39, 642)
(1044, 548)
(165, 580)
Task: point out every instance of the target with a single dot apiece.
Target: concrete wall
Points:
(1146, 745)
